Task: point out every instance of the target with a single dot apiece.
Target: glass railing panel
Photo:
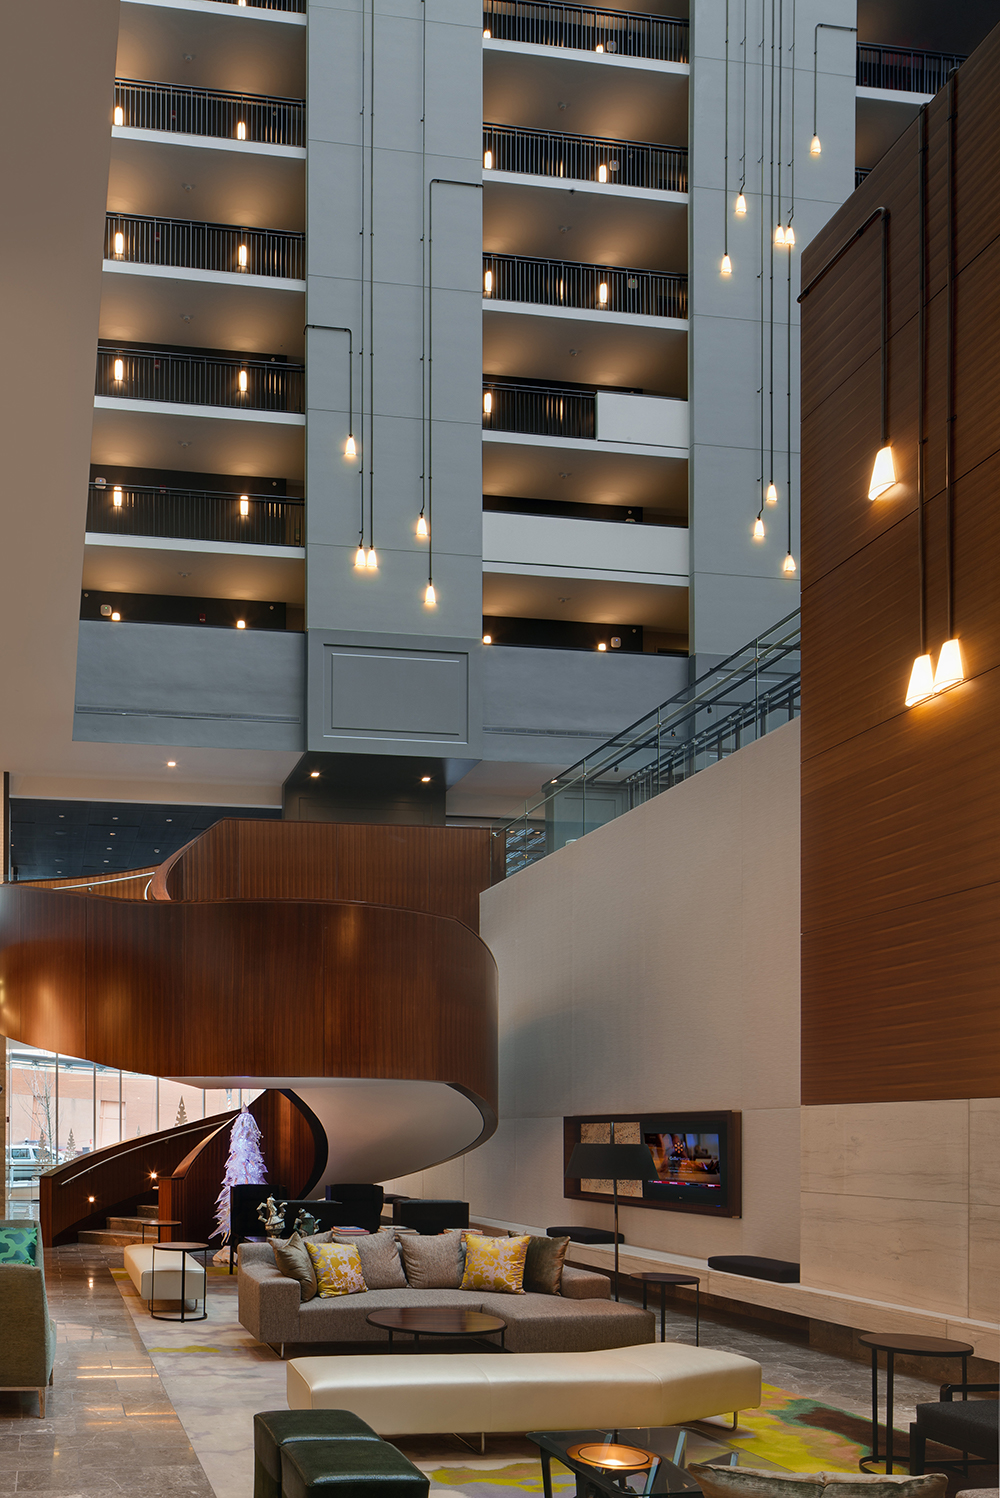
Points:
(584, 158)
(200, 379)
(260, 118)
(202, 246)
(599, 288)
(194, 515)
(546, 23)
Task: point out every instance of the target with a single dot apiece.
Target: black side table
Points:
(917, 1347)
(183, 1249)
(158, 1223)
(654, 1277)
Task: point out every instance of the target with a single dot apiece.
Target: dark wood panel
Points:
(43, 971)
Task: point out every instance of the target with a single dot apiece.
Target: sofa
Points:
(666, 1383)
(28, 1344)
(580, 1319)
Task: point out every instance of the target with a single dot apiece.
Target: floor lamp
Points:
(614, 1162)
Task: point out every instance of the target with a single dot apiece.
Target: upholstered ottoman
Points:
(275, 1429)
(349, 1469)
(139, 1264)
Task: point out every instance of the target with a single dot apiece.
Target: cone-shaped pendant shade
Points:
(921, 681)
(741, 204)
(350, 448)
(359, 557)
(758, 529)
(727, 266)
(372, 562)
(814, 146)
(771, 497)
(950, 670)
(788, 565)
(422, 530)
(883, 473)
(430, 597)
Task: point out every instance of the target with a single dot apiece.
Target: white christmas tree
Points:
(244, 1166)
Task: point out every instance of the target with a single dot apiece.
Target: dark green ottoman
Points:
(273, 1428)
(349, 1469)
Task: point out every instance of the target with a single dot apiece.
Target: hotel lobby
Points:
(362, 1127)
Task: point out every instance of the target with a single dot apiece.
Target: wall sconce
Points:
(241, 130)
(241, 257)
(119, 369)
(602, 174)
(487, 161)
(116, 497)
(487, 403)
(602, 294)
(243, 382)
(119, 244)
(488, 283)
(244, 504)
(119, 115)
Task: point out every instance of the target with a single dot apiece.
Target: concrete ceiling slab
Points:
(137, 307)
(591, 351)
(585, 475)
(572, 96)
(170, 438)
(223, 186)
(193, 574)
(246, 51)
(564, 223)
(586, 601)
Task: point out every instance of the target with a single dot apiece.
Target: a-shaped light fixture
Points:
(758, 529)
(371, 563)
(350, 447)
(950, 669)
(726, 268)
(422, 530)
(815, 149)
(788, 565)
(921, 683)
(359, 556)
(779, 235)
(789, 238)
(883, 473)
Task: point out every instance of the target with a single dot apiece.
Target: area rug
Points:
(804, 1435)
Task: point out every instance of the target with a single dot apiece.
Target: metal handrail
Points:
(299, 6)
(733, 703)
(585, 158)
(203, 246)
(539, 410)
(548, 23)
(262, 118)
(195, 514)
(200, 379)
(904, 69)
(568, 283)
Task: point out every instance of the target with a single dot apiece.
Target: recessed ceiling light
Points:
(170, 819)
(425, 780)
(171, 764)
(313, 774)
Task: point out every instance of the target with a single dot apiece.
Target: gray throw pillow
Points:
(379, 1257)
(433, 1263)
(543, 1265)
(752, 1482)
(292, 1258)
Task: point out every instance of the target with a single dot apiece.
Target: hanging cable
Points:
(741, 202)
(771, 491)
(949, 452)
(922, 370)
(762, 234)
(372, 560)
(727, 264)
(360, 556)
(421, 519)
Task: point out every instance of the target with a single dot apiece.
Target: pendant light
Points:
(771, 497)
(758, 529)
(788, 565)
(789, 238)
(430, 597)
(727, 266)
(883, 473)
(726, 269)
(921, 683)
(741, 204)
(815, 149)
(950, 670)
(422, 530)
(779, 236)
(359, 556)
(371, 564)
(350, 447)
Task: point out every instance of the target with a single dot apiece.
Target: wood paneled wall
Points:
(442, 870)
(901, 807)
(132, 886)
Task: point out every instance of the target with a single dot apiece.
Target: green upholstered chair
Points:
(28, 1345)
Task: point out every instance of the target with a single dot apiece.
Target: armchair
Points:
(28, 1348)
(965, 1425)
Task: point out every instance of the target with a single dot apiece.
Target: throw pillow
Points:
(751, 1482)
(543, 1265)
(338, 1269)
(18, 1244)
(432, 1263)
(379, 1257)
(495, 1264)
(292, 1257)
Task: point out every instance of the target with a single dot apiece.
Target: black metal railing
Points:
(198, 246)
(540, 410)
(566, 283)
(584, 158)
(860, 173)
(200, 379)
(194, 514)
(299, 6)
(548, 23)
(900, 68)
(210, 111)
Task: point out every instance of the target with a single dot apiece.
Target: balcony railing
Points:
(899, 68)
(584, 158)
(299, 6)
(566, 283)
(198, 246)
(200, 379)
(194, 514)
(860, 173)
(539, 410)
(547, 23)
(754, 691)
(210, 111)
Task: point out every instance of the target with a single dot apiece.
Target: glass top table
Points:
(636, 1461)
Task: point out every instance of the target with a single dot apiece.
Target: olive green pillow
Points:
(543, 1266)
(751, 1482)
(292, 1258)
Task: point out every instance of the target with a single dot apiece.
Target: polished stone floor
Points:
(160, 1410)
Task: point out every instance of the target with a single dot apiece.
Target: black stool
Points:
(349, 1469)
(274, 1429)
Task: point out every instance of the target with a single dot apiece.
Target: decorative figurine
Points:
(272, 1215)
(305, 1223)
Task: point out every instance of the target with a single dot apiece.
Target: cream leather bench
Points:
(660, 1383)
(139, 1263)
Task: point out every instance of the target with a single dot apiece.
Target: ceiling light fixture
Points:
(602, 294)
(425, 780)
(244, 504)
(487, 639)
(119, 369)
(313, 774)
(243, 382)
(487, 161)
(602, 646)
(487, 402)
(950, 669)
(602, 173)
(116, 617)
(171, 765)
(430, 597)
(488, 283)
(486, 34)
(241, 624)
(599, 47)
(815, 149)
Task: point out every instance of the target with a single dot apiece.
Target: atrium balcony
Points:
(190, 244)
(169, 108)
(548, 23)
(250, 519)
(584, 158)
(244, 385)
(893, 84)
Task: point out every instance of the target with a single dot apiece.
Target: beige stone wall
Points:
(654, 965)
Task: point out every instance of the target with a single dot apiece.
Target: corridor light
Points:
(119, 369)
(487, 161)
(771, 497)
(241, 257)
(814, 146)
(119, 244)
(741, 204)
(116, 497)
(243, 382)
(758, 529)
(599, 47)
(602, 294)
(119, 115)
(779, 235)
(883, 473)
(241, 624)
(727, 266)
(602, 174)
(425, 780)
(422, 530)
(359, 557)
(313, 774)
(244, 504)
(788, 565)
(350, 447)
(486, 34)
(430, 597)
(950, 670)
(487, 639)
(171, 765)
(488, 283)
(487, 402)
(921, 683)
(372, 562)
(602, 646)
(241, 130)
(116, 618)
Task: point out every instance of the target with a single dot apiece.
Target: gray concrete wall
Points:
(546, 705)
(408, 287)
(189, 687)
(737, 584)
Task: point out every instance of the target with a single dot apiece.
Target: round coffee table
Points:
(654, 1277)
(917, 1347)
(438, 1321)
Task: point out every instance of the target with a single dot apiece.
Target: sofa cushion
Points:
(432, 1263)
(338, 1269)
(781, 1271)
(965, 1425)
(292, 1258)
(543, 1265)
(552, 1323)
(380, 1262)
(349, 1468)
(494, 1264)
(751, 1482)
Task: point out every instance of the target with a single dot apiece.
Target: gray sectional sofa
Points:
(581, 1319)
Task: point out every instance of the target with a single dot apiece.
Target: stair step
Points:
(106, 1238)
(127, 1224)
(148, 1210)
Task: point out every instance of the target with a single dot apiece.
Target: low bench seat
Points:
(139, 1264)
(349, 1469)
(273, 1430)
(661, 1383)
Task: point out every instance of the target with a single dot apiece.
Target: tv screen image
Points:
(688, 1167)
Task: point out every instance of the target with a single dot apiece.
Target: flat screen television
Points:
(697, 1158)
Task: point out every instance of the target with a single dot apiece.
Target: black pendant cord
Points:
(423, 263)
(822, 26)
(361, 236)
(743, 156)
(762, 236)
(725, 191)
(791, 132)
(921, 367)
(949, 462)
(770, 241)
(371, 301)
(781, 97)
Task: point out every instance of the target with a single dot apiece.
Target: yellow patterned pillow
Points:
(338, 1268)
(495, 1264)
